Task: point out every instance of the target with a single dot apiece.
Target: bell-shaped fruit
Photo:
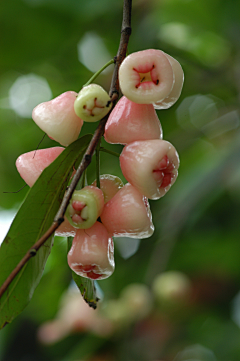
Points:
(151, 166)
(146, 77)
(110, 185)
(130, 121)
(128, 214)
(177, 86)
(65, 229)
(85, 207)
(30, 165)
(92, 253)
(92, 103)
(58, 119)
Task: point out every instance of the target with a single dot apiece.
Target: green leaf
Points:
(85, 285)
(32, 220)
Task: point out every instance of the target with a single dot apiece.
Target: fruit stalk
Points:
(113, 93)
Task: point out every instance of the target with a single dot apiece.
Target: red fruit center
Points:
(90, 111)
(77, 219)
(147, 75)
(88, 270)
(77, 208)
(163, 173)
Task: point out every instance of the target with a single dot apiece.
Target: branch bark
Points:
(114, 94)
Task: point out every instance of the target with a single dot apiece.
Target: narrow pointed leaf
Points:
(32, 220)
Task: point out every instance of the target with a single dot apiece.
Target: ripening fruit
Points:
(30, 165)
(58, 119)
(92, 103)
(177, 87)
(130, 121)
(128, 214)
(137, 299)
(151, 166)
(171, 286)
(134, 304)
(65, 229)
(110, 185)
(91, 254)
(85, 207)
(146, 77)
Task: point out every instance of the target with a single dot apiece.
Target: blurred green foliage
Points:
(197, 228)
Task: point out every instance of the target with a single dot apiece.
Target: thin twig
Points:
(102, 149)
(30, 253)
(113, 93)
(97, 155)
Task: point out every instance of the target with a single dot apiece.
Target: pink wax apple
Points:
(177, 87)
(30, 165)
(58, 119)
(110, 185)
(128, 214)
(130, 121)
(91, 254)
(146, 77)
(151, 166)
(65, 229)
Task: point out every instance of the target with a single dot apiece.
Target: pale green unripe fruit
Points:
(171, 287)
(92, 103)
(137, 299)
(85, 207)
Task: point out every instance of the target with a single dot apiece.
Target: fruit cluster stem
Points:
(86, 160)
(98, 164)
(98, 72)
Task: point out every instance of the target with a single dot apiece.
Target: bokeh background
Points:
(176, 295)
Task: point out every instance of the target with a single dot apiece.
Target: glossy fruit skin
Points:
(130, 121)
(177, 87)
(146, 77)
(151, 166)
(85, 207)
(128, 214)
(65, 229)
(92, 103)
(92, 253)
(109, 185)
(58, 119)
(30, 165)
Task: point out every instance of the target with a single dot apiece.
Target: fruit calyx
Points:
(146, 76)
(85, 207)
(92, 103)
(151, 166)
(163, 173)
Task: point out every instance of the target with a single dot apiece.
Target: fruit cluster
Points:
(149, 80)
